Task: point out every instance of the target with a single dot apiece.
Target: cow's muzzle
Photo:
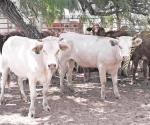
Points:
(52, 66)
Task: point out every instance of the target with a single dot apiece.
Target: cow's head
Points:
(125, 42)
(50, 50)
(97, 30)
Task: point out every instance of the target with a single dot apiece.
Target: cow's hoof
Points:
(70, 89)
(2, 102)
(146, 82)
(62, 90)
(31, 114)
(46, 108)
(118, 97)
(103, 98)
(66, 89)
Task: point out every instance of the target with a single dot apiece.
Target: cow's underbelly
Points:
(86, 61)
(19, 70)
(89, 60)
(86, 64)
(38, 74)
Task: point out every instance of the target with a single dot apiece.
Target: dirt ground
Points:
(83, 107)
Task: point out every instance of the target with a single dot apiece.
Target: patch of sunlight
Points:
(110, 102)
(98, 110)
(66, 118)
(44, 119)
(110, 88)
(13, 84)
(38, 89)
(86, 85)
(53, 89)
(8, 95)
(78, 99)
(16, 119)
(55, 97)
(124, 85)
(98, 104)
(11, 104)
(104, 118)
(139, 91)
(145, 105)
(81, 75)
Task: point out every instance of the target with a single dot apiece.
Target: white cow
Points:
(31, 59)
(0, 62)
(90, 51)
(127, 44)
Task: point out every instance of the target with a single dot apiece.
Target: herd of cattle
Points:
(38, 59)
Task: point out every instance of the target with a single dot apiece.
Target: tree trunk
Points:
(10, 11)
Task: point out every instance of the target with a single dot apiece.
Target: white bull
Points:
(90, 51)
(31, 59)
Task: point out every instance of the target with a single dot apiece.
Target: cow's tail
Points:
(2, 65)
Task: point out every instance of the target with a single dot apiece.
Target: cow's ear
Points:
(37, 49)
(137, 42)
(63, 46)
(114, 42)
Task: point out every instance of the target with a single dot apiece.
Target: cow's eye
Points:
(44, 52)
(57, 52)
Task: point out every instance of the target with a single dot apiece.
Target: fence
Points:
(74, 26)
(6, 25)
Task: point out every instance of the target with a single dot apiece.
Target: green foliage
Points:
(84, 18)
(109, 20)
(50, 9)
(53, 9)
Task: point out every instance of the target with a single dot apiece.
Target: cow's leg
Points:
(71, 65)
(32, 86)
(135, 63)
(23, 95)
(5, 74)
(149, 69)
(114, 75)
(145, 71)
(102, 73)
(124, 67)
(62, 72)
(45, 92)
(86, 74)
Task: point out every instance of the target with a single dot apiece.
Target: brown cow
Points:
(97, 30)
(142, 52)
(115, 34)
(1, 42)
(100, 31)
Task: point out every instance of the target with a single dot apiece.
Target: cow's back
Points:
(87, 50)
